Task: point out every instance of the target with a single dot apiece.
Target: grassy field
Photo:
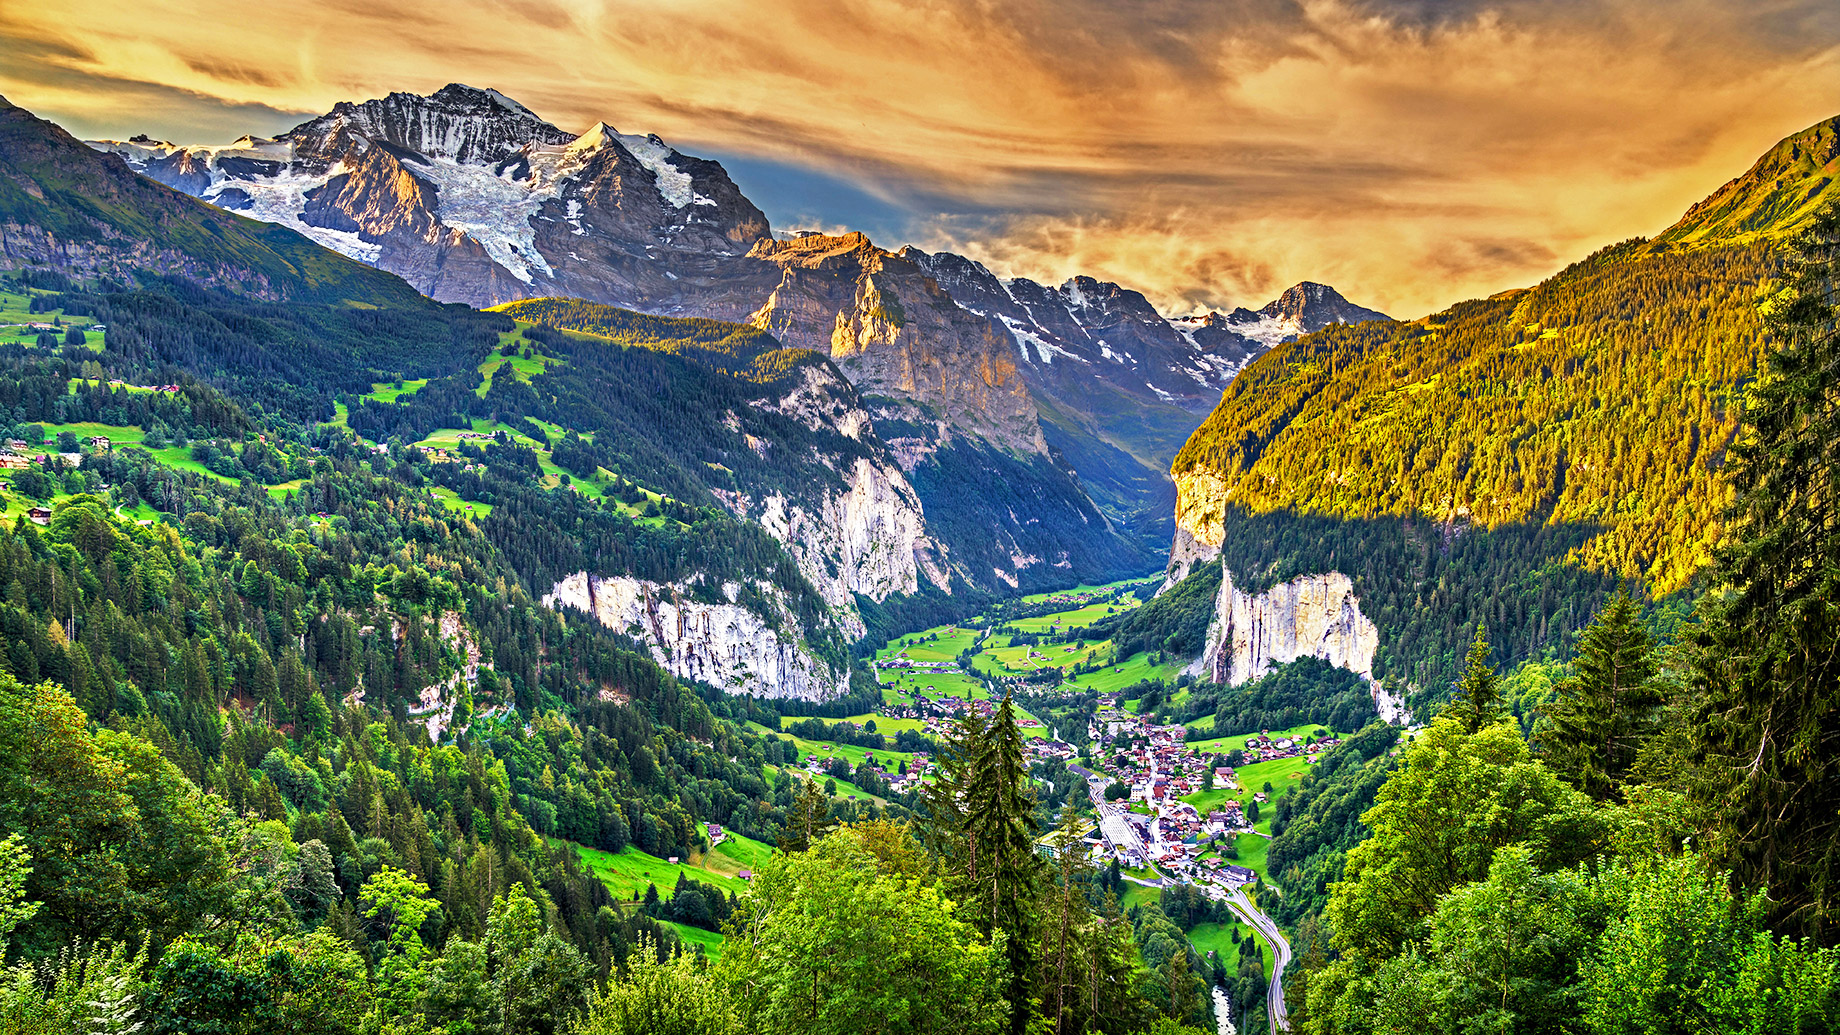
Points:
(1282, 773)
(452, 501)
(845, 789)
(118, 434)
(831, 749)
(1036, 598)
(1218, 938)
(883, 724)
(1252, 849)
(627, 872)
(387, 391)
(1131, 671)
(736, 853)
(710, 941)
(1136, 894)
(944, 643)
(1222, 745)
(179, 458)
(1081, 616)
(521, 366)
(15, 309)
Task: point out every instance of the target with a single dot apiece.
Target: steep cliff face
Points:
(1313, 616)
(895, 333)
(870, 536)
(1201, 506)
(869, 539)
(723, 644)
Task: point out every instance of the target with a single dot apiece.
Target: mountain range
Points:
(471, 197)
(1015, 434)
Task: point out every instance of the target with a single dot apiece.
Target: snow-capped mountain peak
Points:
(498, 98)
(598, 136)
(473, 198)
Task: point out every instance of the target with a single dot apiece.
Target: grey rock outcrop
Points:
(724, 644)
(1312, 616)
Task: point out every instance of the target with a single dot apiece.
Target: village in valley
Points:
(1164, 806)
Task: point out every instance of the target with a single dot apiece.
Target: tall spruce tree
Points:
(807, 820)
(1770, 664)
(982, 829)
(1478, 700)
(1594, 729)
(1000, 824)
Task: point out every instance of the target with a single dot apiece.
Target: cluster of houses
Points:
(1160, 768)
(167, 389)
(442, 456)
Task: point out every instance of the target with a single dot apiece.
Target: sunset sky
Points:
(1208, 154)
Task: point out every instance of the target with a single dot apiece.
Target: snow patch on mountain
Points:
(1269, 331)
(283, 199)
(494, 210)
(674, 185)
(1045, 350)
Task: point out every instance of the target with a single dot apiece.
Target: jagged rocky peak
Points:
(813, 250)
(1311, 307)
(1090, 299)
(1303, 308)
(956, 274)
(463, 123)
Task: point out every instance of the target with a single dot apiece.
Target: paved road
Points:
(1268, 929)
(1113, 824)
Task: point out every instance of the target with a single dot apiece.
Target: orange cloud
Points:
(1412, 153)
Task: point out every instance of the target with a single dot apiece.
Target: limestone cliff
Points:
(1312, 616)
(1201, 501)
(870, 539)
(867, 535)
(723, 644)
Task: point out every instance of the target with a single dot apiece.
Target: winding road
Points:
(1281, 950)
(1111, 821)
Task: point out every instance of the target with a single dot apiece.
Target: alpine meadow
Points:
(967, 551)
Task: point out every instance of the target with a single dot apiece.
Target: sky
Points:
(1413, 153)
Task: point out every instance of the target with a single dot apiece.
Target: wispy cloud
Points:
(1411, 152)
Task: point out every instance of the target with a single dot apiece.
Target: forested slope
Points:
(1510, 459)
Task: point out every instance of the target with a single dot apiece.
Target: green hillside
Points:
(1602, 399)
(1779, 194)
(737, 350)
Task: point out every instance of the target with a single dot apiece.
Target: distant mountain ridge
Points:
(59, 207)
(471, 197)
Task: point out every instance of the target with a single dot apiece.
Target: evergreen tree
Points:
(1771, 661)
(809, 819)
(1477, 703)
(982, 830)
(1596, 726)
